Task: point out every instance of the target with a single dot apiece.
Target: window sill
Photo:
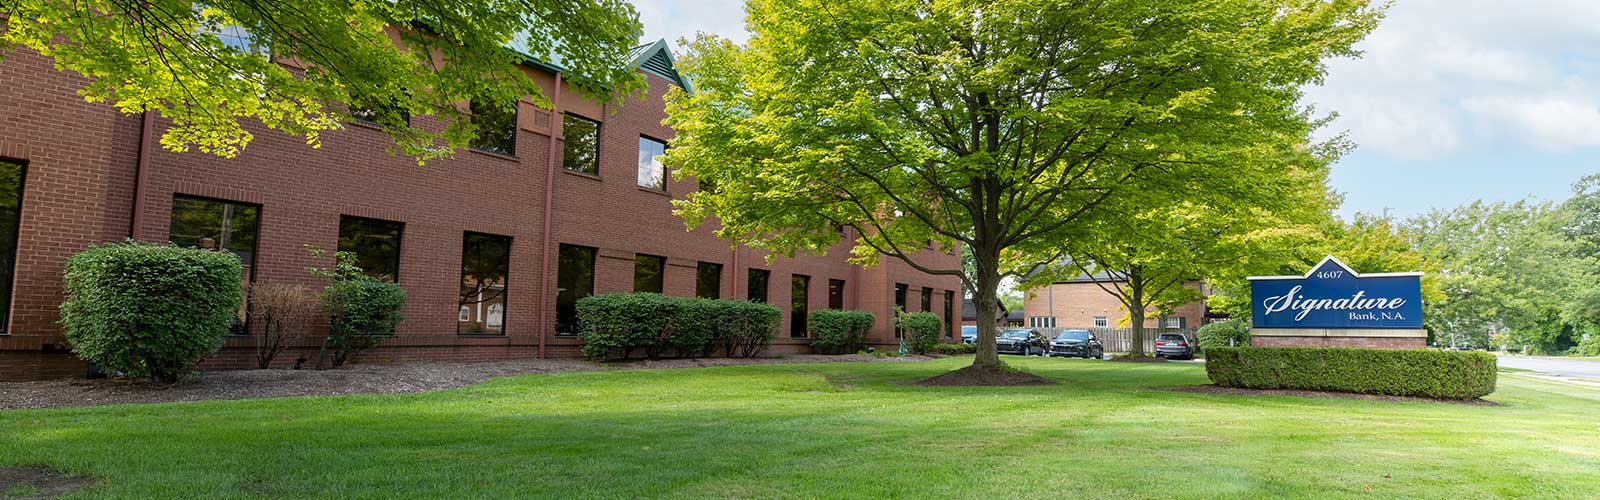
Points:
(366, 124)
(661, 192)
(481, 335)
(493, 154)
(586, 175)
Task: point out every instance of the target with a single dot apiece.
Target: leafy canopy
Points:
(208, 66)
(999, 125)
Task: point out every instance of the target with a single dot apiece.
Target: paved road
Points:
(1575, 368)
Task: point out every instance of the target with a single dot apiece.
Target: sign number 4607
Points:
(1329, 274)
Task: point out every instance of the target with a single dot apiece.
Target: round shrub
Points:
(921, 330)
(149, 310)
(362, 313)
(748, 327)
(1231, 333)
(695, 326)
(836, 331)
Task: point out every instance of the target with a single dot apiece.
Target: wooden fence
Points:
(1121, 339)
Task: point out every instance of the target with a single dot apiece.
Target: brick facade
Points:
(1076, 304)
(82, 165)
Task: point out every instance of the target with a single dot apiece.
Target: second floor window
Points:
(497, 128)
(580, 149)
(1101, 322)
(652, 174)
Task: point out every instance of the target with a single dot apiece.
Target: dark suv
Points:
(1174, 346)
(1076, 344)
(1020, 341)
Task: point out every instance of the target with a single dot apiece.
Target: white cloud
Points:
(671, 20)
(1439, 77)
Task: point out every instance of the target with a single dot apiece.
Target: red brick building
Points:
(558, 209)
(1080, 302)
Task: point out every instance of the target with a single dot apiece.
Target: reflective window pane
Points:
(485, 263)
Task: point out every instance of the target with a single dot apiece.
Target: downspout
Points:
(141, 176)
(549, 199)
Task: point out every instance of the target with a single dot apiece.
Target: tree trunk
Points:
(1136, 312)
(985, 301)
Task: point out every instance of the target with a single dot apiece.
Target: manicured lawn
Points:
(829, 430)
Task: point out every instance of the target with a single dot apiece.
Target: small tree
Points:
(282, 312)
(362, 311)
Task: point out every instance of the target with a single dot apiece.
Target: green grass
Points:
(829, 430)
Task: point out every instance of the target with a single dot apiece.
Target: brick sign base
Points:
(1368, 339)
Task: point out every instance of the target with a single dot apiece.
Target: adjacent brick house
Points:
(1080, 302)
(552, 229)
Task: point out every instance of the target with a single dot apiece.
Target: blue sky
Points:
(1454, 100)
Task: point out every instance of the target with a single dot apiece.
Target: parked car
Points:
(969, 334)
(1022, 341)
(1174, 346)
(1076, 344)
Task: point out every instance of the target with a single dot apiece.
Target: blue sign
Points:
(1332, 296)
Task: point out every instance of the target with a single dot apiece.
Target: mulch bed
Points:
(384, 378)
(37, 482)
(973, 376)
(1234, 391)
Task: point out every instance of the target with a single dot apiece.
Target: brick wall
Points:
(82, 164)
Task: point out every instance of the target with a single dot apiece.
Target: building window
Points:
(708, 280)
(652, 174)
(1100, 322)
(11, 178)
(649, 273)
(1042, 322)
(496, 127)
(485, 264)
(799, 300)
(465, 314)
(381, 112)
(1172, 322)
(949, 310)
(835, 294)
(376, 244)
(756, 285)
(899, 303)
(580, 150)
(213, 225)
(574, 280)
(927, 300)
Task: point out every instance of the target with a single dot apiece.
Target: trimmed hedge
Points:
(955, 349)
(617, 325)
(837, 331)
(1421, 373)
(149, 310)
(921, 331)
(1230, 333)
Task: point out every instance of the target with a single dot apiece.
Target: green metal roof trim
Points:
(654, 58)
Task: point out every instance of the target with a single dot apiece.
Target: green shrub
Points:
(954, 349)
(1423, 373)
(617, 325)
(149, 310)
(1589, 346)
(837, 332)
(749, 327)
(362, 313)
(921, 330)
(623, 322)
(1231, 333)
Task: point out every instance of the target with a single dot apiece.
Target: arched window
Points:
(466, 314)
(496, 312)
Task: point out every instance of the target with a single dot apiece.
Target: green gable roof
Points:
(654, 58)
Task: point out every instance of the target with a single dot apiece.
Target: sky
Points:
(1452, 100)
